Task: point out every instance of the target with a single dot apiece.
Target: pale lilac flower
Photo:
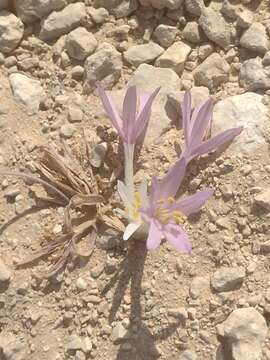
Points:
(166, 216)
(195, 123)
(130, 125)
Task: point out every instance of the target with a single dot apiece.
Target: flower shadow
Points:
(142, 342)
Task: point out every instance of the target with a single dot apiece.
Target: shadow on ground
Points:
(143, 342)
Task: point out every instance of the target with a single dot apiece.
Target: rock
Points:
(253, 76)
(265, 247)
(5, 273)
(80, 43)
(99, 16)
(97, 271)
(81, 284)
(188, 355)
(26, 91)
(67, 130)
(165, 34)
(263, 200)
(199, 94)
(98, 155)
(192, 32)
(118, 8)
(74, 343)
(205, 51)
(161, 4)
(147, 78)
(215, 27)
(61, 22)
(213, 71)
(244, 18)
(108, 239)
(118, 333)
(145, 53)
(11, 31)
(198, 286)
(31, 10)
(174, 57)
(178, 313)
(77, 72)
(244, 333)
(194, 7)
(104, 65)
(75, 114)
(14, 350)
(255, 38)
(228, 279)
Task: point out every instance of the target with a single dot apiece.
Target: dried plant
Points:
(78, 192)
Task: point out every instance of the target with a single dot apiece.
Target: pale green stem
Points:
(129, 158)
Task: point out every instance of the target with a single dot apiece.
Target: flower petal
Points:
(200, 120)
(186, 114)
(129, 111)
(143, 191)
(176, 236)
(130, 230)
(170, 183)
(154, 236)
(143, 116)
(110, 109)
(193, 203)
(123, 192)
(217, 141)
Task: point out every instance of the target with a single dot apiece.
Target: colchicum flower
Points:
(166, 216)
(195, 123)
(130, 126)
(160, 215)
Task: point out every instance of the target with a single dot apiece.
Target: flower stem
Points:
(129, 157)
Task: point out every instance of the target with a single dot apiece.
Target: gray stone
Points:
(118, 333)
(255, 38)
(194, 7)
(188, 355)
(108, 239)
(263, 200)
(213, 71)
(174, 57)
(80, 43)
(215, 27)
(67, 130)
(165, 34)
(81, 284)
(178, 313)
(104, 65)
(265, 247)
(61, 22)
(228, 279)
(147, 78)
(198, 286)
(253, 76)
(11, 349)
(31, 10)
(143, 54)
(119, 8)
(77, 72)
(98, 155)
(74, 343)
(161, 4)
(244, 18)
(75, 114)
(205, 50)
(11, 31)
(99, 16)
(199, 94)
(244, 333)
(5, 273)
(27, 91)
(192, 32)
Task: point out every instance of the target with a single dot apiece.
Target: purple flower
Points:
(133, 121)
(166, 216)
(195, 124)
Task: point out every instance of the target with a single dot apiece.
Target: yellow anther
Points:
(171, 200)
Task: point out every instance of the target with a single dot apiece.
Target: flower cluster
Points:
(160, 215)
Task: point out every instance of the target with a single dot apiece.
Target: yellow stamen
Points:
(164, 216)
